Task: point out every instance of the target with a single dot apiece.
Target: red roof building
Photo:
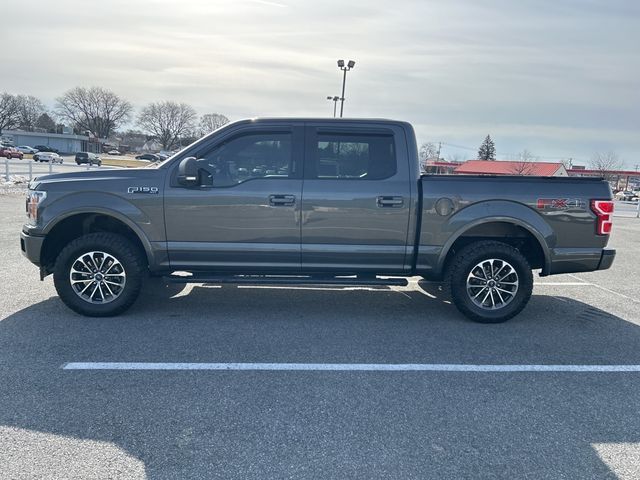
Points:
(500, 167)
(440, 167)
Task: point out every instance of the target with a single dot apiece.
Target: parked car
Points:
(626, 195)
(152, 157)
(47, 157)
(338, 216)
(113, 152)
(88, 157)
(44, 148)
(27, 149)
(10, 152)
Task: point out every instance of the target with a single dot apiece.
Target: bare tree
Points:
(524, 164)
(522, 168)
(210, 122)
(605, 162)
(95, 109)
(567, 162)
(8, 111)
(29, 110)
(167, 121)
(427, 151)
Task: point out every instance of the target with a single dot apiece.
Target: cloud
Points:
(560, 76)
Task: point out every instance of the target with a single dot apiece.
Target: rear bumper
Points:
(31, 247)
(573, 260)
(606, 259)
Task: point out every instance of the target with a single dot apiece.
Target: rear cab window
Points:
(351, 156)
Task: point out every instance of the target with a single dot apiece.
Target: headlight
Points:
(34, 197)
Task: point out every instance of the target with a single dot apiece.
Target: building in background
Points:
(440, 167)
(619, 179)
(65, 143)
(502, 167)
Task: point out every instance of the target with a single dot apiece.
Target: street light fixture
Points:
(335, 103)
(341, 66)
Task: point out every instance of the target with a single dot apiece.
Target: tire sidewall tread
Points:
(111, 243)
(471, 255)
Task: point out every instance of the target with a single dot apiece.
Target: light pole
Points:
(335, 103)
(345, 69)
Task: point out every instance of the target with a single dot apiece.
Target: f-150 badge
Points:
(142, 190)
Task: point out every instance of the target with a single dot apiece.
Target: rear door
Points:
(246, 214)
(356, 199)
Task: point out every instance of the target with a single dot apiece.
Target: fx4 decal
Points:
(560, 203)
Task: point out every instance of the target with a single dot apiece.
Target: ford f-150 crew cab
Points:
(321, 201)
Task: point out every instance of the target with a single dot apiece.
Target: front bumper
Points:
(31, 246)
(606, 259)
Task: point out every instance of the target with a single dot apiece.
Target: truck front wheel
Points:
(99, 274)
(490, 281)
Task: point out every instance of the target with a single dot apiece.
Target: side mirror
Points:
(188, 172)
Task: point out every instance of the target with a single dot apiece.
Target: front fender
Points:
(107, 204)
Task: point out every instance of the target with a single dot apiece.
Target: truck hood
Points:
(88, 179)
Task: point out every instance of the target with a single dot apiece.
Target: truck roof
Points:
(319, 119)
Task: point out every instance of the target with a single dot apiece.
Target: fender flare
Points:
(496, 212)
(67, 207)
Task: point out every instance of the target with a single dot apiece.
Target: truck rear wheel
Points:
(99, 274)
(490, 281)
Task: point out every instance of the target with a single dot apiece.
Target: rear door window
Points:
(353, 156)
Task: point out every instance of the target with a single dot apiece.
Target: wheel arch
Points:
(72, 225)
(513, 231)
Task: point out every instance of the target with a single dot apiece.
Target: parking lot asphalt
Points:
(57, 423)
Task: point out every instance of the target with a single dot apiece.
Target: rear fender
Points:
(498, 211)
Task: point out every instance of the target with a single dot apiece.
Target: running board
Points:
(285, 280)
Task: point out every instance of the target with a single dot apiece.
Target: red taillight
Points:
(604, 211)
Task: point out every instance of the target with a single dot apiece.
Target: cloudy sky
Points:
(557, 77)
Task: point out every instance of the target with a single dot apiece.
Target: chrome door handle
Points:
(282, 200)
(390, 202)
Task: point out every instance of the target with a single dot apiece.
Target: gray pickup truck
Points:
(318, 201)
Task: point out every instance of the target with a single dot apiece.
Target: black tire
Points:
(130, 258)
(463, 264)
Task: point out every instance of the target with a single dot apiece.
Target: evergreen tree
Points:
(46, 123)
(487, 150)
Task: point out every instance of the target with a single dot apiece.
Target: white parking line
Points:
(342, 367)
(608, 290)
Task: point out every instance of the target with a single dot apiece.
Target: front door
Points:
(356, 200)
(245, 215)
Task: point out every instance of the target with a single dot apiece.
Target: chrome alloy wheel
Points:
(97, 277)
(492, 284)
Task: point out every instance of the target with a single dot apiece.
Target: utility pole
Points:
(345, 69)
(439, 147)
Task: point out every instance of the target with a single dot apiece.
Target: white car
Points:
(626, 195)
(47, 157)
(113, 152)
(27, 149)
